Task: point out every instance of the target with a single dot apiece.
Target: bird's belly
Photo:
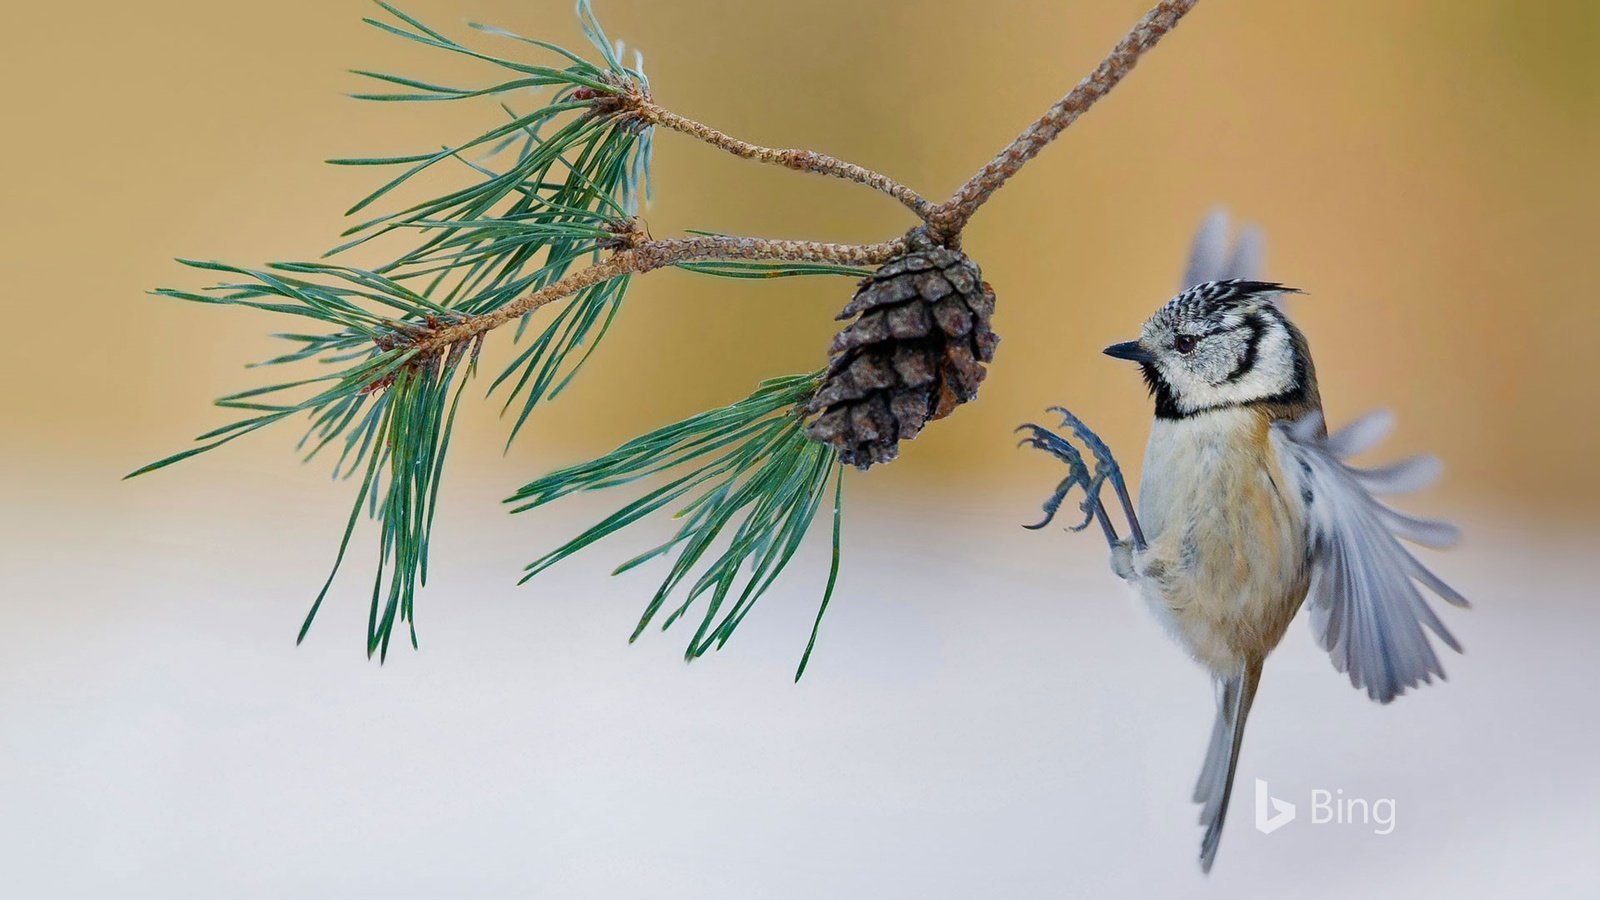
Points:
(1226, 570)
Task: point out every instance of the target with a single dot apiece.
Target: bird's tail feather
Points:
(1235, 695)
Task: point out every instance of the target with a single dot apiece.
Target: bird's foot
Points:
(1079, 475)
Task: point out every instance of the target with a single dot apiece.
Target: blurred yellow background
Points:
(1423, 169)
(988, 713)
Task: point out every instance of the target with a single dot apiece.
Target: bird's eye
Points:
(1183, 343)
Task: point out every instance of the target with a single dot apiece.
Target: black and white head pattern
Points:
(1221, 344)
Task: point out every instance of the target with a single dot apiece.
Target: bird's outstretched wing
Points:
(1365, 604)
(1211, 259)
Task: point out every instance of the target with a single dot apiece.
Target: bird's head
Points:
(1216, 345)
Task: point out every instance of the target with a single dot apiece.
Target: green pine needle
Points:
(545, 190)
(745, 473)
(833, 572)
(774, 269)
(541, 368)
(740, 268)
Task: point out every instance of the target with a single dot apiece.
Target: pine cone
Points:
(913, 354)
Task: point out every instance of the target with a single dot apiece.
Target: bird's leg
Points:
(1077, 476)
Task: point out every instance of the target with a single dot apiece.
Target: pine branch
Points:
(946, 220)
(650, 255)
(548, 212)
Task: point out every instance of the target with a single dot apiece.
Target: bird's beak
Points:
(1130, 350)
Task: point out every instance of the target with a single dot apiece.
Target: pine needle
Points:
(743, 478)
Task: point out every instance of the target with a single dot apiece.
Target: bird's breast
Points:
(1226, 567)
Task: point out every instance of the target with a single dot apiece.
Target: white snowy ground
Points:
(988, 714)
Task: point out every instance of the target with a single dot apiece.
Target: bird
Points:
(1248, 509)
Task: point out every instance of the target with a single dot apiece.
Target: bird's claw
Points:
(1106, 467)
(1078, 474)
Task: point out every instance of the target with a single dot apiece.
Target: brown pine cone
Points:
(913, 354)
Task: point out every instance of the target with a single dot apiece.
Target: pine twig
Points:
(797, 159)
(649, 255)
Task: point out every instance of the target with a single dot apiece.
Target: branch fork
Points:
(634, 252)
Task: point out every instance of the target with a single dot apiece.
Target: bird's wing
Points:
(1365, 606)
(1211, 259)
